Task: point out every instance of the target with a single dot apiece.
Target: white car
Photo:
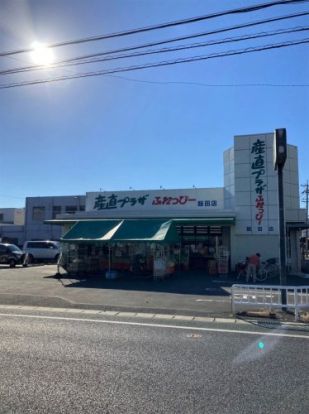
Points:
(44, 250)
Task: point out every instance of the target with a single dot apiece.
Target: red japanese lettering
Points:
(167, 200)
(259, 216)
(183, 199)
(259, 202)
(157, 201)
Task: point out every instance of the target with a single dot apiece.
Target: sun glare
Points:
(42, 54)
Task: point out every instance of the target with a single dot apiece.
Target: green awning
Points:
(143, 230)
(94, 230)
(152, 230)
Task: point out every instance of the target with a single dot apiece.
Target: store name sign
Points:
(103, 202)
(258, 171)
(154, 200)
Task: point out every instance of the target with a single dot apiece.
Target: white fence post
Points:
(253, 296)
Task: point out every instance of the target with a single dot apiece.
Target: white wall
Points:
(246, 245)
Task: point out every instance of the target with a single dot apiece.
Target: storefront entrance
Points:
(205, 248)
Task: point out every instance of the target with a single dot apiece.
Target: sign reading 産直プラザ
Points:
(258, 170)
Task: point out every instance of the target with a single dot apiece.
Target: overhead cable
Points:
(256, 7)
(159, 64)
(215, 85)
(192, 36)
(155, 51)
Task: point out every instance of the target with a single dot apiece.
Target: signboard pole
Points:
(280, 148)
(283, 278)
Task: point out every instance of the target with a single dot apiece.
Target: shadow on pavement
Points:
(191, 283)
(183, 283)
(7, 267)
(20, 266)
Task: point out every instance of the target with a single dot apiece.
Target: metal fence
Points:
(269, 297)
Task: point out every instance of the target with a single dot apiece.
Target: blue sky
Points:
(114, 133)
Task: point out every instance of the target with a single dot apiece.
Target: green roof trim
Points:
(209, 221)
(60, 221)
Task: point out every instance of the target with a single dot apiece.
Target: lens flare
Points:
(42, 54)
(261, 345)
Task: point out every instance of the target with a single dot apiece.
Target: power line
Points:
(223, 85)
(192, 36)
(160, 64)
(156, 51)
(180, 38)
(162, 25)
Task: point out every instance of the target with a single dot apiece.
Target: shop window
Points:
(38, 213)
(36, 245)
(81, 208)
(1, 217)
(70, 209)
(56, 210)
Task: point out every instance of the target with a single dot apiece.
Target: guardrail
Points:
(269, 297)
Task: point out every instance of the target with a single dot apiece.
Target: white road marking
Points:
(212, 300)
(155, 325)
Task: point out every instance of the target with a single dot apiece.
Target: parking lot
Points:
(38, 285)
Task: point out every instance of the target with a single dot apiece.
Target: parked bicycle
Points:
(267, 270)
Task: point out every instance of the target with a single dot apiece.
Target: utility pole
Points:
(306, 201)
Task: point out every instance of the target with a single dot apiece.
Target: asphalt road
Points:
(57, 363)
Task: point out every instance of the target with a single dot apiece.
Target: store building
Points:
(209, 229)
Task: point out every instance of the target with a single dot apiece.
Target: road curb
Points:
(60, 302)
(123, 314)
(149, 316)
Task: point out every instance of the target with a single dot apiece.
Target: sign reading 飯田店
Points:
(155, 200)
